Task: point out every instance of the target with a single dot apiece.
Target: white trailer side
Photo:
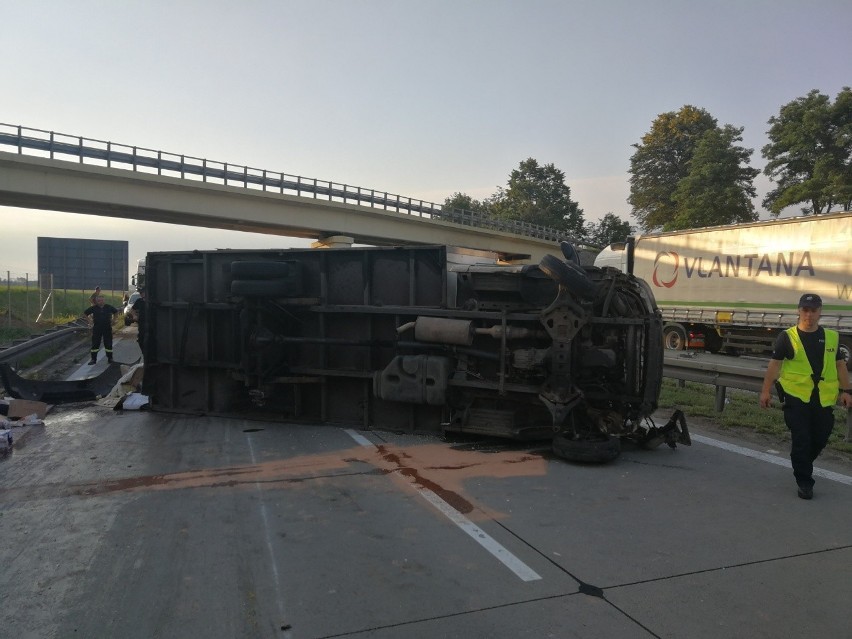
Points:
(740, 284)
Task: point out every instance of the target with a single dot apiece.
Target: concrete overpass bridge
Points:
(52, 171)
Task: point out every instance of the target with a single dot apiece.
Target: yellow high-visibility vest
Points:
(796, 373)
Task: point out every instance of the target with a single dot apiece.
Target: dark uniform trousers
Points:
(810, 427)
(101, 332)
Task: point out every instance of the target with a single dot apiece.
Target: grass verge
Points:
(741, 411)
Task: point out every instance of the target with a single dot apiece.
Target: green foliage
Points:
(661, 161)
(535, 194)
(463, 202)
(611, 228)
(718, 187)
(20, 306)
(688, 172)
(539, 195)
(809, 153)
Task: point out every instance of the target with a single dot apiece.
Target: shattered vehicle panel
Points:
(416, 339)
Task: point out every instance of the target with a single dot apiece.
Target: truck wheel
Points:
(587, 450)
(260, 270)
(674, 338)
(712, 341)
(568, 275)
(261, 288)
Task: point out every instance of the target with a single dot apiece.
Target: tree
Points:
(539, 195)
(809, 153)
(609, 229)
(689, 172)
(661, 161)
(718, 187)
(463, 202)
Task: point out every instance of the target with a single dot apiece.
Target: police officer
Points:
(810, 372)
(100, 317)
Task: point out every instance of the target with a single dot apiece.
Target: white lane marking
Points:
(475, 532)
(359, 438)
(772, 459)
(263, 513)
(480, 536)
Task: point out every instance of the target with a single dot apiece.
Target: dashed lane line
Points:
(772, 459)
(466, 525)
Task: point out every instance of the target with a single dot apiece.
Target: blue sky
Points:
(420, 98)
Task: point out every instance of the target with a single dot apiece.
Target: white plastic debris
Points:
(134, 401)
(30, 420)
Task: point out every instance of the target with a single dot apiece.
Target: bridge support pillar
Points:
(333, 241)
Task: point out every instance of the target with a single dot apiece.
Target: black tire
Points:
(712, 341)
(587, 451)
(568, 275)
(261, 270)
(261, 288)
(674, 338)
(569, 252)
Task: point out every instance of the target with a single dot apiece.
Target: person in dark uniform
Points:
(101, 316)
(139, 309)
(810, 372)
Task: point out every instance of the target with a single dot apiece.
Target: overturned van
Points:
(417, 339)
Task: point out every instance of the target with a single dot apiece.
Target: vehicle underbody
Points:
(416, 339)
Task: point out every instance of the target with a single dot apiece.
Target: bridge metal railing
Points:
(41, 143)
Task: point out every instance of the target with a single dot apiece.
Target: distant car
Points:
(129, 315)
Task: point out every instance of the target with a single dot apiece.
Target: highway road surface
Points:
(138, 524)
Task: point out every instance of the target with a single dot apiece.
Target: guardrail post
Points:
(720, 398)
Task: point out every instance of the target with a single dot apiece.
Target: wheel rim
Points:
(674, 341)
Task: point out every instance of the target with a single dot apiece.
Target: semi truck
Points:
(414, 339)
(733, 288)
(137, 280)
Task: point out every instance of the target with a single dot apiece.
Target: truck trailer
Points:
(421, 339)
(733, 288)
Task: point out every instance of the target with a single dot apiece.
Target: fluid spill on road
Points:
(454, 499)
(435, 467)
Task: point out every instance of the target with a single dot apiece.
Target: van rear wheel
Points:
(590, 451)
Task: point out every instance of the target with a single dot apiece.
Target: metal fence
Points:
(722, 374)
(49, 144)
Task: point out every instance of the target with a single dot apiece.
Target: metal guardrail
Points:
(736, 373)
(728, 373)
(32, 345)
(38, 142)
